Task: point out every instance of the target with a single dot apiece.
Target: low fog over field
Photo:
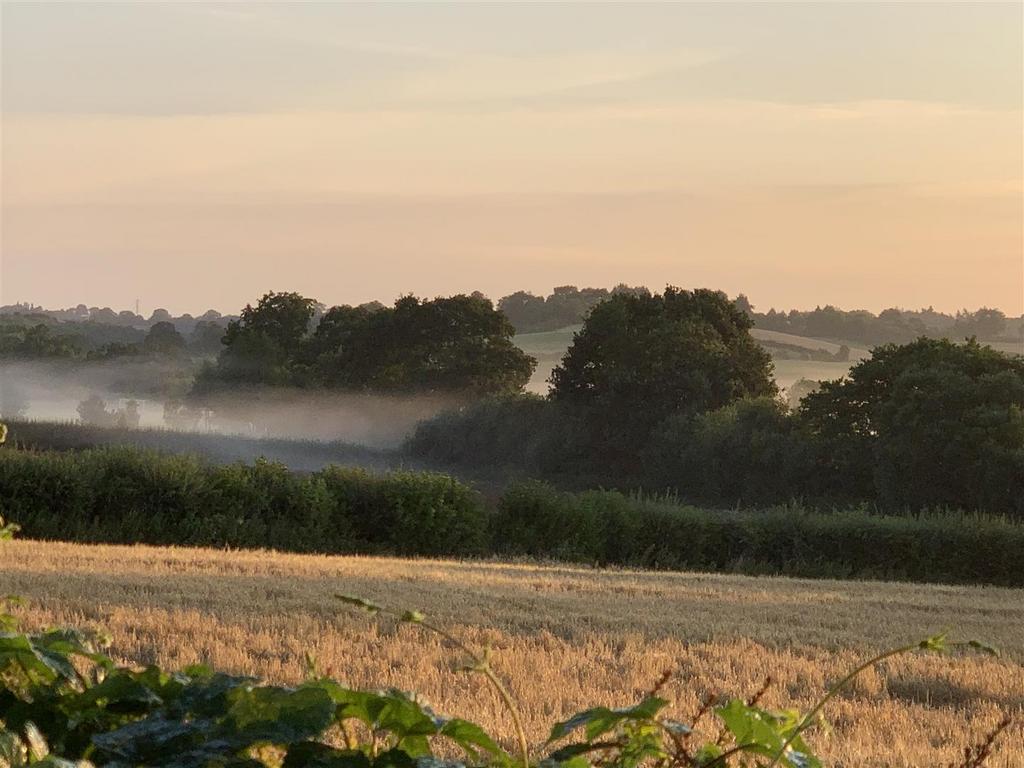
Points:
(44, 404)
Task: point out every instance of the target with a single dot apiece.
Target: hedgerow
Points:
(121, 495)
(606, 527)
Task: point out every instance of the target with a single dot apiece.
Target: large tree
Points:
(454, 344)
(163, 339)
(929, 423)
(265, 343)
(641, 358)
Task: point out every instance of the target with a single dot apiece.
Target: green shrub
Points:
(122, 495)
(495, 432)
(606, 527)
(407, 512)
(266, 505)
(748, 453)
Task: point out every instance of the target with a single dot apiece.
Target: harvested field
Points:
(564, 637)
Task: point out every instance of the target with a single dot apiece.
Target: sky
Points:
(196, 155)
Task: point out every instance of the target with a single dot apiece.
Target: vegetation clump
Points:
(123, 495)
(457, 344)
(924, 425)
(610, 528)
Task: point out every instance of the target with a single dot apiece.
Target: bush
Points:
(413, 513)
(604, 527)
(122, 495)
(524, 434)
(266, 505)
(746, 453)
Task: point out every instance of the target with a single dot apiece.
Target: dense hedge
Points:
(122, 495)
(609, 528)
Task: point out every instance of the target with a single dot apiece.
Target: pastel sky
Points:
(196, 155)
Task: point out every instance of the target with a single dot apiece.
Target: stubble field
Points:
(565, 638)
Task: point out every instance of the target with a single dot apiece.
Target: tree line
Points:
(567, 305)
(892, 325)
(35, 337)
(107, 316)
(670, 391)
(104, 332)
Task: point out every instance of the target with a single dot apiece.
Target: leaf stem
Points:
(931, 644)
(481, 664)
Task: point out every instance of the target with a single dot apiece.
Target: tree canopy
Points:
(929, 423)
(652, 356)
(454, 344)
(163, 339)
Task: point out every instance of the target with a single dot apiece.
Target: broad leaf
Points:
(279, 715)
(599, 720)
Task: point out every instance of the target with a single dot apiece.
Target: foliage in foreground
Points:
(65, 703)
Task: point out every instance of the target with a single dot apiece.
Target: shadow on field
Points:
(938, 693)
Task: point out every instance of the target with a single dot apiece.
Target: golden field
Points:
(564, 637)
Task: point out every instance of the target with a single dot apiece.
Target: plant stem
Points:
(724, 757)
(512, 709)
(835, 689)
(483, 666)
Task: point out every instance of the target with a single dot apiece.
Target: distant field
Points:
(565, 637)
(549, 347)
(788, 371)
(1009, 347)
(807, 342)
